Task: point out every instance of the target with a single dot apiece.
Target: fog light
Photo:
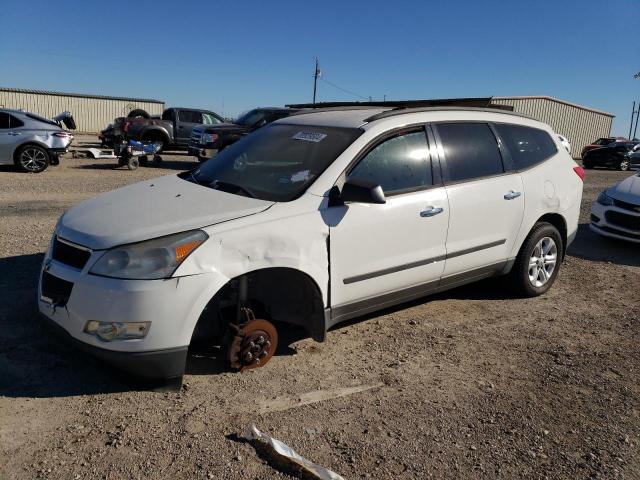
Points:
(108, 331)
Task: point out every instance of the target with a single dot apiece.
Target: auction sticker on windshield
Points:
(310, 136)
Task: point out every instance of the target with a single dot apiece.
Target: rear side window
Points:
(15, 122)
(470, 150)
(189, 116)
(399, 164)
(5, 120)
(9, 121)
(528, 146)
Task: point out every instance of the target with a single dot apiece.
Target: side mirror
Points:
(359, 191)
(260, 123)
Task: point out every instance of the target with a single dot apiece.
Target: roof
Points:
(553, 99)
(78, 95)
(351, 118)
(356, 117)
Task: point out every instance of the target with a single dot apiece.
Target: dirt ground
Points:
(471, 383)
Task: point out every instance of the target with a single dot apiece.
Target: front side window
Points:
(399, 164)
(275, 163)
(528, 146)
(470, 151)
(251, 118)
(189, 116)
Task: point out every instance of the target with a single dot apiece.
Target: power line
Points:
(344, 89)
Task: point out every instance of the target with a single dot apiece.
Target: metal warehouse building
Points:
(91, 112)
(581, 125)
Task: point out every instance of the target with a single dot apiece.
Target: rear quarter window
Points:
(528, 146)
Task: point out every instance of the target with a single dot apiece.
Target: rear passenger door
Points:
(10, 138)
(486, 200)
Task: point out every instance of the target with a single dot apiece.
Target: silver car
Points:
(32, 142)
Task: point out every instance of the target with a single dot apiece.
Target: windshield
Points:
(251, 117)
(275, 163)
(603, 141)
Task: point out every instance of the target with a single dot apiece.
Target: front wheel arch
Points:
(283, 294)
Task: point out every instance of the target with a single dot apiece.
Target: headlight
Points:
(153, 259)
(208, 138)
(604, 199)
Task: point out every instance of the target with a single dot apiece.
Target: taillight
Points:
(61, 134)
(580, 172)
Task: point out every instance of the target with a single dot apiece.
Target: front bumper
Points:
(155, 364)
(202, 151)
(173, 306)
(615, 222)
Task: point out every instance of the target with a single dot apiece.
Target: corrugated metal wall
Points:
(91, 114)
(580, 125)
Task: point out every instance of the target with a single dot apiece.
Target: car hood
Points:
(628, 190)
(150, 209)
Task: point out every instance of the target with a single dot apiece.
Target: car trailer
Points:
(131, 153)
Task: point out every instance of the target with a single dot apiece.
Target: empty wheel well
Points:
(559, 222)
(282, 294)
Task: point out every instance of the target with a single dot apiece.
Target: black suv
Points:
(207, 140)
(613, 155)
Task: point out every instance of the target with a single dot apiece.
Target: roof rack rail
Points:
(401, 111)
(482, 102)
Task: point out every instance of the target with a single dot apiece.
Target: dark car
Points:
(615, 155)
(601, 142)
(207, 140)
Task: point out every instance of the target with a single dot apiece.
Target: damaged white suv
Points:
(312, 220)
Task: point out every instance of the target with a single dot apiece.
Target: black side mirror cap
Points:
(359, 191)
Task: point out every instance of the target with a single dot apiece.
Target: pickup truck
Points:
(172, 130)
(207, 140)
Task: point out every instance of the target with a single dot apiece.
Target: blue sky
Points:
(230, 56)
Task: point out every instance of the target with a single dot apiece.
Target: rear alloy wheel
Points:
(538, 261)
(32, 159)
(624, 165)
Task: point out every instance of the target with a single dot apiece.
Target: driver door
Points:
(380, 253)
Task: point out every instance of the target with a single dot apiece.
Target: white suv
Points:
(312, 220)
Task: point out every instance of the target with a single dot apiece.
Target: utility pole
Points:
(633, 112)
(636, 127)
(316, 74)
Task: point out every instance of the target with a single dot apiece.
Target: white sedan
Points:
(616, 212)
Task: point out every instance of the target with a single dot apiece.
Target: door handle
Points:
(511, 195)
(431, 211)
(13, 134)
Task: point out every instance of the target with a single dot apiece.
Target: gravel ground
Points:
(471, 383)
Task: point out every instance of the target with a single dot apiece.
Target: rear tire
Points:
(538, 261)
(32, 159)
(624, 165)
(133, 163)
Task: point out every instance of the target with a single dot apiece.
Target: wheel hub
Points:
(542, 262)
(253, 345)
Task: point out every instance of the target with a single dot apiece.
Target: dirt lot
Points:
(471, 383)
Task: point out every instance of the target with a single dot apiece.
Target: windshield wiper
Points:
(228, 185)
